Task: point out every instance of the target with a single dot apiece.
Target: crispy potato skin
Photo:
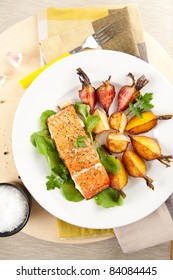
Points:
(134, 165)
(119, 181)
(146, 147)
(138, 125)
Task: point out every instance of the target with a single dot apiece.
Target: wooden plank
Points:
(171, 250)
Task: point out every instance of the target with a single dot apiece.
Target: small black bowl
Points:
(19, 227)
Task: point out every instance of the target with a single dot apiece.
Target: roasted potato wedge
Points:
(138, 125)
(103, 124)
(146, 147)
(136, 167)
(118, 121)
(149, 149)
(119, 181)
(117, 142)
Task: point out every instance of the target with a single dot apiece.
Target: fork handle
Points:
(26, 81)
(76, 50)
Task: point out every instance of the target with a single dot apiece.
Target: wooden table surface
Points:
(158, 22)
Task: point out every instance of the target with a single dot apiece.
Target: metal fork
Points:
(93, 41)
(97, 39)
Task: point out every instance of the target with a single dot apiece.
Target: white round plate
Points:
(59, 83)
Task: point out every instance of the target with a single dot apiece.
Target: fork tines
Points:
(105, 34)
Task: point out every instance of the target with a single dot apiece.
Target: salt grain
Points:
(13, 208)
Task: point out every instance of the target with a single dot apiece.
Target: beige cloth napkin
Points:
(128, 38)
(67, 30)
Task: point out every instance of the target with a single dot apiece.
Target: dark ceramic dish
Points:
(16, 230)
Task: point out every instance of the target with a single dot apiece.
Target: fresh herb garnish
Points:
(109, 162)
(90, 121)
(80, 142)
(143, 103)
(53, 182)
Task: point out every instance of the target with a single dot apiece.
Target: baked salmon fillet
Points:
(83, 163)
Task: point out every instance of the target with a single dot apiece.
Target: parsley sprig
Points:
(80, 142)
(143, 103)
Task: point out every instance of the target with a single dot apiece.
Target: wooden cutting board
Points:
(41, 224)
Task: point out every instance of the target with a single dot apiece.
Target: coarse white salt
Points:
(13, 208)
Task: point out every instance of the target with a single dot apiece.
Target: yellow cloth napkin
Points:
(66, 230)
(61, 30)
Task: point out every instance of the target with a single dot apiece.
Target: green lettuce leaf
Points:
(109, 162)
(108, 198)
(42, 141)
(45, 146)
(70, 192)
(46, 114)
(90, 122)
(82, 109)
